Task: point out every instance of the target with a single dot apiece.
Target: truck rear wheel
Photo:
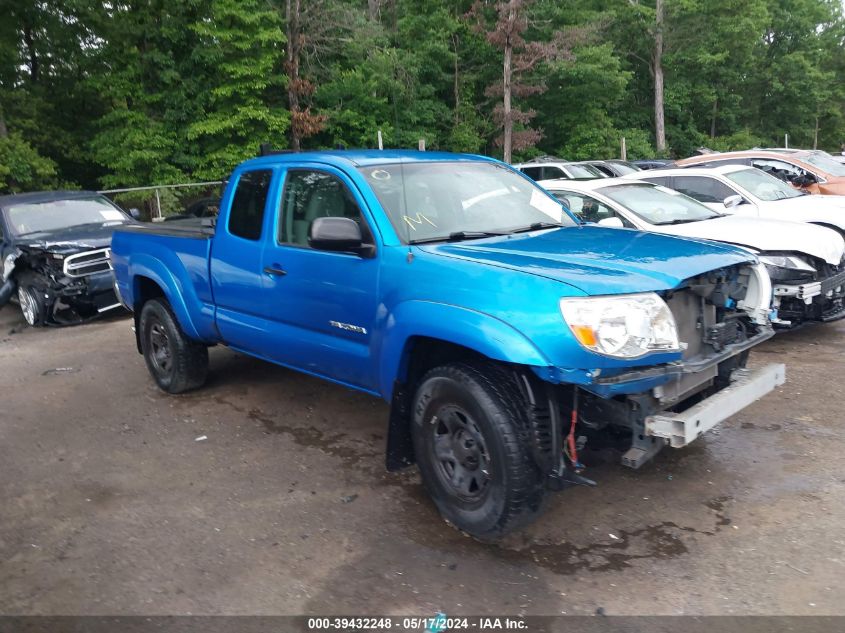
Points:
(176, 362)
(472, 448)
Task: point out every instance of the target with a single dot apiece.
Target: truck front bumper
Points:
(643, 379)
(747, 385)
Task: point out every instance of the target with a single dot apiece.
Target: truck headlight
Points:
(622, 326)
(787, 267)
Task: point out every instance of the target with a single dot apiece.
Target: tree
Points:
(302, 28)
(22, 168)
(643, 32)
(240, 50)
(506, 31)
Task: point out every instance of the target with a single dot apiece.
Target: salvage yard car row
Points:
(507, 326)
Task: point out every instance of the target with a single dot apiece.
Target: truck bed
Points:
(175, 257)
(193, 228)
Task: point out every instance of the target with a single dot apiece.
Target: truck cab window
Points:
(309, 195)
(247, 213)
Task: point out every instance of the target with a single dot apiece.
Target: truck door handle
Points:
(274, 271)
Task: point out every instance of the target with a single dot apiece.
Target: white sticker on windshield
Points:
(111, 214)
(547, 205)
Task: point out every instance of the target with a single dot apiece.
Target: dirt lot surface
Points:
(111, 503)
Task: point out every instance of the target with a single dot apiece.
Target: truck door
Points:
(320, 305)
(236, 276)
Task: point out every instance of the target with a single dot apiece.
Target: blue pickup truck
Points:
(503, 331)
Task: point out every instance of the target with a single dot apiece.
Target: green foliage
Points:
(24, 169)
(240, 48)
(574, 112)
(743, 139)
(153, 91)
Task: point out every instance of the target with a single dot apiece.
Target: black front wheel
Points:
(473, 451)
(176, 362)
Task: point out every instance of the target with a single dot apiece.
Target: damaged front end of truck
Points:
(58, 284)
(720, 316)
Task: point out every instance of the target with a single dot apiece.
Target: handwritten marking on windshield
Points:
(419, 219)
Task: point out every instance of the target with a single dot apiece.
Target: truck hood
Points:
(765, 234)
(70, 240)
(599, 260)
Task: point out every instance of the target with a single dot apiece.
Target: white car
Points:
(805, 262)
(742, 190)
(547, 168)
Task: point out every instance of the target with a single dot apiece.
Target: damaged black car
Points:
(54, 255)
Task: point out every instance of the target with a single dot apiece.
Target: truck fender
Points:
(143, 265)
(479, 332)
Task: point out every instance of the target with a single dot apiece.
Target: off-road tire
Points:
(513, 493)
(187, 360)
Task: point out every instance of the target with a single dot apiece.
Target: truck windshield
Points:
(658, 205)
(431, 201)
(46, 217)
(762, 185)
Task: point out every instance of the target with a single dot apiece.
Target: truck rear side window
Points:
(247, 213)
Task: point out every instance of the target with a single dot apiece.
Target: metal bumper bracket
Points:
(747, 385)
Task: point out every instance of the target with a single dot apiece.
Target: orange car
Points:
(809, 170)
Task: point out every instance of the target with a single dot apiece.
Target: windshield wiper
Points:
(536, 227)
(680, 221)
(457, 236)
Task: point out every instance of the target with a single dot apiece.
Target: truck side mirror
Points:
(338, 234)
(134, 213)
(613, 222)
(733, 201)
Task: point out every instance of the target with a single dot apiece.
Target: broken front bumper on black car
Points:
(71, 300)
(69, 289)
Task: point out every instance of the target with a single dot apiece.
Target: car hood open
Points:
(765, 234)
(598, 260)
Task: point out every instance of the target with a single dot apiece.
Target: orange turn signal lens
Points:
(585, 335)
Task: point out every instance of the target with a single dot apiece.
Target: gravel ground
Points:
(110, 503)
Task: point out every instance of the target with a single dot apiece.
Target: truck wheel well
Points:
(147, 289)
(421, 354)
